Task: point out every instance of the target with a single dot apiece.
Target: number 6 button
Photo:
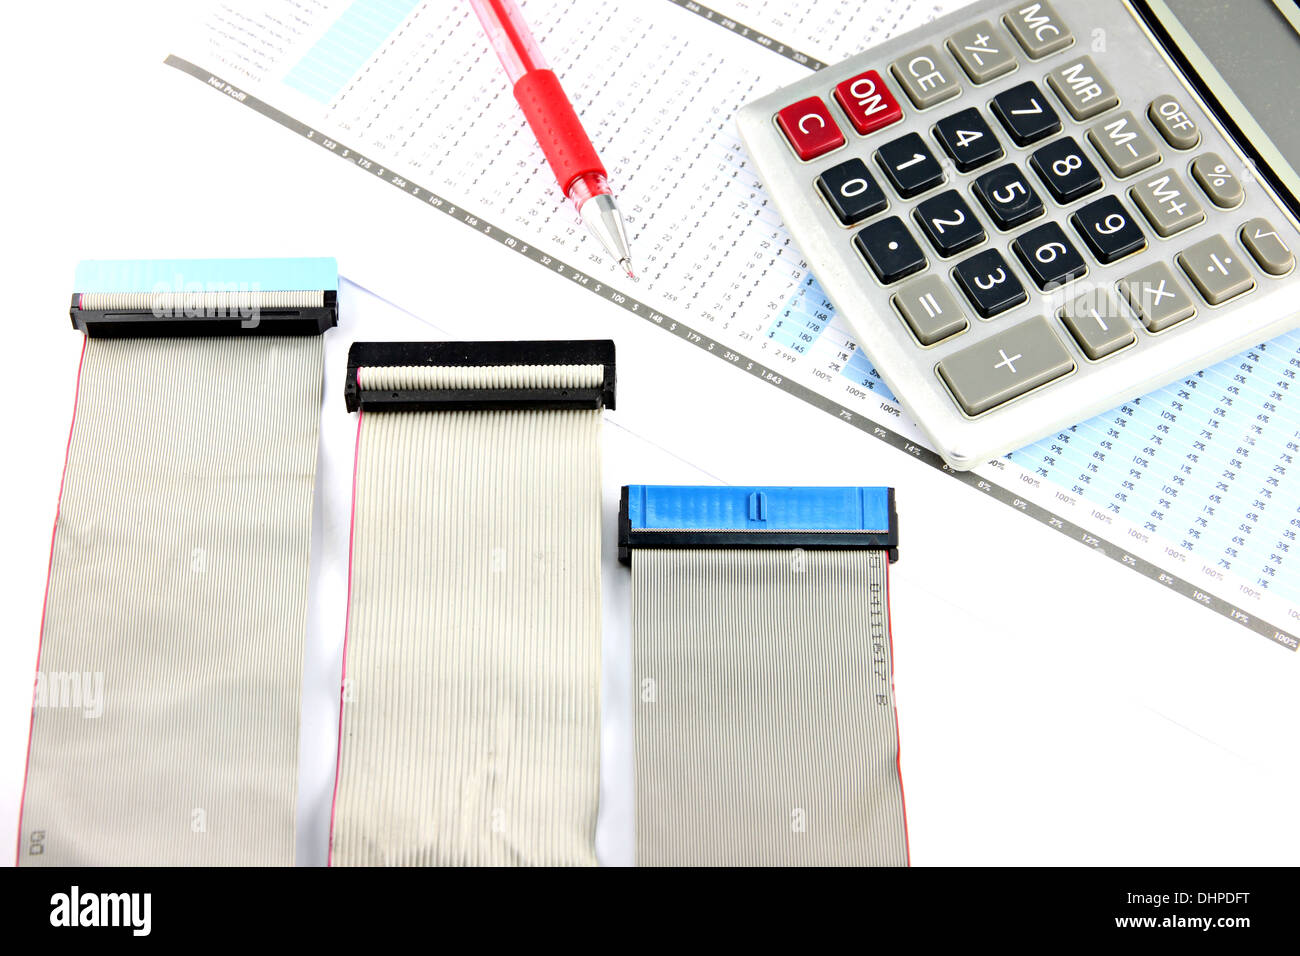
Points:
(1048, 256)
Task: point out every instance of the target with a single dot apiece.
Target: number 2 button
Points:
(948, 223)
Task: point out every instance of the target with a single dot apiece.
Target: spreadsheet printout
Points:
(1194, 486)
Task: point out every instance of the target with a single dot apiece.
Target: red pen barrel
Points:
(557, 127)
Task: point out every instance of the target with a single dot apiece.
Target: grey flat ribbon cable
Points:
(176, 607)
(470, 717)
(765, 730)
(166, 704)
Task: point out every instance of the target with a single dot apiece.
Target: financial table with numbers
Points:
(428, 112)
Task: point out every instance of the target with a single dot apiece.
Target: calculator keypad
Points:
(867, 102)
(1064, 169)
(1025, 114)
(1108, 230)
(810, 128)
(909, 165)
(890, 250)
(989, 283)
(949, 223)
(1113, 162)
(851, 191)
(967, 140)
(1007, 196)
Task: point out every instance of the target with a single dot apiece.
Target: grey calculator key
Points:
(1270, 250)
(1168, 116)
(1167, 203)
(1099, 323)
(1038, 29)
(1217, 180)
(926, 77)
(930, 310)
(1216, 270)
(1156, 296)
(1124, 145)
(1082, 89)
(983, 51)
(1005, 365)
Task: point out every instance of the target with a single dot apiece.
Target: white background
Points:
(1054, 707)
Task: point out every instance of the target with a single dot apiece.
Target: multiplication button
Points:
(1005, 366)
(1156, 297)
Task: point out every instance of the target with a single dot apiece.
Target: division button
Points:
(1005, 366)
(1216, 270)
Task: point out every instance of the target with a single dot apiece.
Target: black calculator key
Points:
(1108, 229)
(1065, 171)
(910, 166)
(1026, 114)
(949, 223)
(890, 249)
(989, 283)
(1007, 195)
(968, 140)
(1048, 255)
(851, 192)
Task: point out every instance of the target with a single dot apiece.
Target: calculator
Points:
(1032, 213)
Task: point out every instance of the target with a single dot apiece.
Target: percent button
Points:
(1217, 181)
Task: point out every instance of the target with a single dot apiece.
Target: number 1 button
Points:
(909, 165)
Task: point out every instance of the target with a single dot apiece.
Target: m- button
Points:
(925, 77)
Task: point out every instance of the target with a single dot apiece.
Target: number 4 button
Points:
(967, 139)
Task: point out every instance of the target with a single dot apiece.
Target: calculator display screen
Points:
(1246, 56)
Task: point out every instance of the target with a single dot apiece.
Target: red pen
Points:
(573, 159)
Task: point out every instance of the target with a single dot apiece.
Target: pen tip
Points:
(627, 267)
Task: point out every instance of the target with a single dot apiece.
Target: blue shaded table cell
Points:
(350, 41)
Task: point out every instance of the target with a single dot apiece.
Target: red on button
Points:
(810, 128)
(868, 102)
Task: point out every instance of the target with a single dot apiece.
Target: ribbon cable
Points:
(470, 713)
(765, 729)
(167, 697)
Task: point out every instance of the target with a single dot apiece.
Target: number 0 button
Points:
(851, 192)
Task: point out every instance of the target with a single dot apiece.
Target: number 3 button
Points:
(989, 283)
